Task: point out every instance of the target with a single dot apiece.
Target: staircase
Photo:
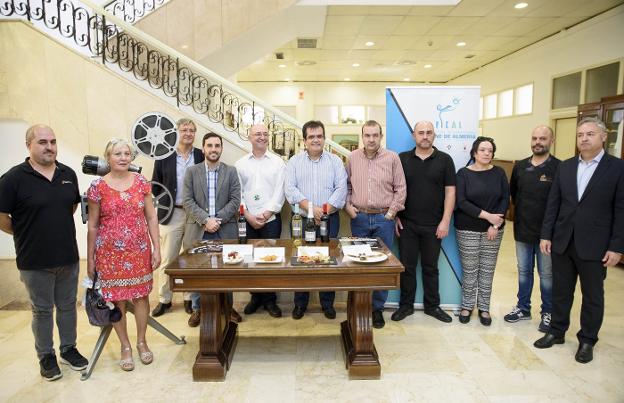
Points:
(196, 91)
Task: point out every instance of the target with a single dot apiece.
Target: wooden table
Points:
(206, 274)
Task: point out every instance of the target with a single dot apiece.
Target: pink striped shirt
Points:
(377, 183)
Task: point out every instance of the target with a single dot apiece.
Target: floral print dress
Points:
(123, 251)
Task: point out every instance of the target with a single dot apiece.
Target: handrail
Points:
(114, 42)
(131, 11)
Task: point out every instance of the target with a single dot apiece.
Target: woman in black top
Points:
(482, 200)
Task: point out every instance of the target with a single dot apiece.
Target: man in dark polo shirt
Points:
(430, 177)
(38, 199)
(530, 183)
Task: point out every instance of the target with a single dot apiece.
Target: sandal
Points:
(146, 356)
(127, 364)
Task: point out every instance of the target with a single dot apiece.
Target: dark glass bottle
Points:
(242, 225)
(324, 230)
(310, 228)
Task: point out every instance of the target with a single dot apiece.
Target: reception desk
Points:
(206, 273)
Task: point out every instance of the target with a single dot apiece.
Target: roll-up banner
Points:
(454, 112)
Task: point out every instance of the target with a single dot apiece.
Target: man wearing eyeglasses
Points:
(316, 176)
(170, 173)
(261, 175)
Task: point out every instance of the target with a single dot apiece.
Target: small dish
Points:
(233, 258)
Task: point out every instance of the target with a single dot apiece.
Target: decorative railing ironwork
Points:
(131, 11)
(123, 47)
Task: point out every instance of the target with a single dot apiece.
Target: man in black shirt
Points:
(531, 179)
(430, 178)
(38, 199)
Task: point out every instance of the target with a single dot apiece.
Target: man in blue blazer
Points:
(583, 228)
(169, 172)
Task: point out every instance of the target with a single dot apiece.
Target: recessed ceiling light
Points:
(427, 66)
(406, 79)
(460, 44)
(355, 65)
(287, 79)
(370, 43)
(281, 66)
(347, 79)
(521, 5)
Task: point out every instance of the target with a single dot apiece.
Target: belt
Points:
(372, 210)
(178, 206)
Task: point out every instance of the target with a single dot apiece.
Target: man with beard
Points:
(531, 179)
(211, 198)
(170, 173)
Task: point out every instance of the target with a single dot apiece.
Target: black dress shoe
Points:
(252, 306)
(485, 320)
(298, 312)
(548, 341)
(439, 314)
(402, 313)
(464, 318)
(160, 309)
(330, 312)
(188, 307)
(378, 319)
(273, 310)
(235, 316)
(585, 353)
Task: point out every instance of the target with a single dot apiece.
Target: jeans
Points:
(48, 288)
(527, 254)
(326, 297)
(195, 295)
(271, 230)
(374, 225)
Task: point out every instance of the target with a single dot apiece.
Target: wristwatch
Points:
(495, 227)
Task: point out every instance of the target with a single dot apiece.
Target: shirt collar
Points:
(308, 156)
(208, 169)
(433, 154)
(28, 168)
(380, 151)
(596, 159)
(251, 156)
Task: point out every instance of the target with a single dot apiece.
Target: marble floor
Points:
(282, 360)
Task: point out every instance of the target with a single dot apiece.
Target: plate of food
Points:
(232, 257)
(316, 258)
(268, 255)
(364, 257)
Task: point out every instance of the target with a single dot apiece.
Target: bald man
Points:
(261, 175)
(531, 179)
(38, 199)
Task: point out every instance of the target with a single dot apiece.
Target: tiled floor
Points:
(280, 360)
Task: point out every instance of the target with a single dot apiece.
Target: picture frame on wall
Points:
(348, 141)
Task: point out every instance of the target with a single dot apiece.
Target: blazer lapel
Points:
(203, 183)
(600, 170)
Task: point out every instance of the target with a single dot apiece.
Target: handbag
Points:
(98, 312)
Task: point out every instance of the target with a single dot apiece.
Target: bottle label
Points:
(310, 236)
(242, 229)
(323, 228)
(296, 232)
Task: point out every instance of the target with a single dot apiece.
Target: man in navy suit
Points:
(170, 173)
(583, 228)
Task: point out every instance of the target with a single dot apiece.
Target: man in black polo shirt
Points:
(38, 199)
(530, 183)
(430, 177)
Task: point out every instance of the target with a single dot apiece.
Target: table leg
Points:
(217, 338)
(357, 337)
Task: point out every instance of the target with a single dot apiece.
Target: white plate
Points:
(233, 261)
(279, 259)
(373, 258)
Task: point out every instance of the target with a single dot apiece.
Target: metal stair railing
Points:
(131, 11)
(182, 81)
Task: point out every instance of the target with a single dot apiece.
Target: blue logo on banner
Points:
(448, 124)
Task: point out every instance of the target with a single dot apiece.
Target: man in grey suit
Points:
(211, 197)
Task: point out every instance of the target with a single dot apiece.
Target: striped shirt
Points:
(377, 183)
(212, 176)
(320, 181)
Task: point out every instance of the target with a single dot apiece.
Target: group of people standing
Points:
(573, 211)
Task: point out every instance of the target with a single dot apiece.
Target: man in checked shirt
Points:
(376, 192)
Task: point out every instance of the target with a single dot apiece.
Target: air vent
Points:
(306, 43)
(279, 55)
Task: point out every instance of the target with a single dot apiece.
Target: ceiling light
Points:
(287, 79)
(460, 44)
(406, 79)
(521, 5)
(281, 66)
(355, 65)
(347, 79)
(427, 66)
(370, 43)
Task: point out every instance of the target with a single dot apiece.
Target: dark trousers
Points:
(566, 268)
(271, 230)
(415, 242)
(327, 297)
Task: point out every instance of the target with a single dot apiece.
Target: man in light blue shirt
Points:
(316, 176)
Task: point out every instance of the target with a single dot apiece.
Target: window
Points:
(352, 114)
(566, 91)
(601, 82)
(523, 102)
(489, 110)
(505, 103)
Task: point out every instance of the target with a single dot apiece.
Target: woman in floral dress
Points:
(122, 220)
